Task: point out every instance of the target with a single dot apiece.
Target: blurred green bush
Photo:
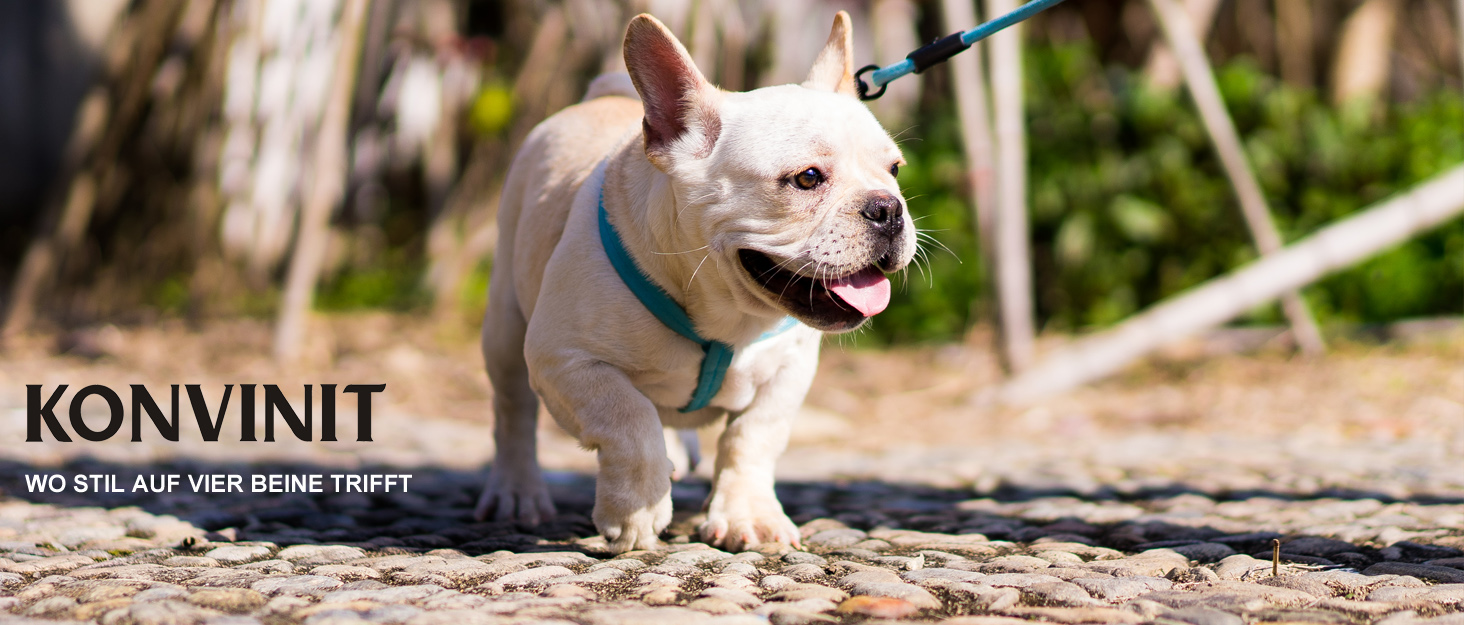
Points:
(1129, 204)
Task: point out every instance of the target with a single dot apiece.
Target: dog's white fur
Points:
(703, 176)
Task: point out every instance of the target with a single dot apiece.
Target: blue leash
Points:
(944, 48)
(716, 355)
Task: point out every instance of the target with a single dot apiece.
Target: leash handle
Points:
(942, 49)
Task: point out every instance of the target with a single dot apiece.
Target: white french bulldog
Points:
(745, 209)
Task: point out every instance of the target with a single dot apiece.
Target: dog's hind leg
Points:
(515, 489)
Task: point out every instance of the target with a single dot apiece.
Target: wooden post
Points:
(1459, 14)
(1364, 51)
(1296, 41)
(325, 190)
(1340, 245)
(1201, 83)
(1014, 264)
(1162, 70)
(974, 111)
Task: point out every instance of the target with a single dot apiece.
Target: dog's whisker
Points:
(698, 268)
(685, 252)
(921, 236)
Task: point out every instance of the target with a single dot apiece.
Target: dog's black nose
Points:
(884, 212)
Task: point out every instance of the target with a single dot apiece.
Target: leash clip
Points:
(863, 87)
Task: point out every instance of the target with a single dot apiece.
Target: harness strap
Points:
(716, 355)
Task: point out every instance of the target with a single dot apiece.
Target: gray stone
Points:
(313, 555)
(1313, 587)
(626, 564)
(1239, 566)
(803, 557)
(51, 565)
(1120, 589)
(1060, 594)
(534, 576)
(334, 617)
(1013, 564)
(728, 580)
(395, 594)
(1058, 558)
(595, 576)
(461, 571)
(1316, 546)
(313, 585)
(1440, 574)
(1205, 552)
(232, 578)
(1203, 616)
(455, 617)
(168, 613)
(238, 600)
(740, 597)
(161, 593)
(803, 572)
(1069, 574)
(921, 575)
(986, 598)
(873, 575)
(1078, 614)
(742, 569)
(346, 572)
(392, 614)
(52, 607)
(269, 566)
(835, 538)
(676, 569)
(799, 592)
(199, 561)
(644, 616)
(774, 583)
(1449, 594)
(452, 600)
(548, 558)
(715, 606)
(1017, 580)
(698, 557)
(233, 554)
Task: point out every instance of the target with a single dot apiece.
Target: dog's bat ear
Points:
(834, 68)
(681, 106)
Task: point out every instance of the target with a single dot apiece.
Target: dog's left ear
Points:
(834, 68)
(681, 106)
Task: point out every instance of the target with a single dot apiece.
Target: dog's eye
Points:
(808, 178)
(895, 169)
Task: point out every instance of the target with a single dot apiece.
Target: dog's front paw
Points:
(515, 495)
(627, 526)
(736, 523)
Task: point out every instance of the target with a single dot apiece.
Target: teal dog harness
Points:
(716, 355)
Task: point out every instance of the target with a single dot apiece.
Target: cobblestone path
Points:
(876, 552)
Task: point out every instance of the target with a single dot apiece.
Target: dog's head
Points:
(791, 188)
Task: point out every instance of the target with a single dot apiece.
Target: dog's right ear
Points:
(681, 106)
(833, 70)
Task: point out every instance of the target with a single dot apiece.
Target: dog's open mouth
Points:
(840, 303)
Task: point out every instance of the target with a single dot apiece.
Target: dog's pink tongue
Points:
(867, 291)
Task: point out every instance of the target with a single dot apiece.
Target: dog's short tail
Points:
(616, 83)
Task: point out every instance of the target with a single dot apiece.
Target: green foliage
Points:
(393, 284)
(1129, 204)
